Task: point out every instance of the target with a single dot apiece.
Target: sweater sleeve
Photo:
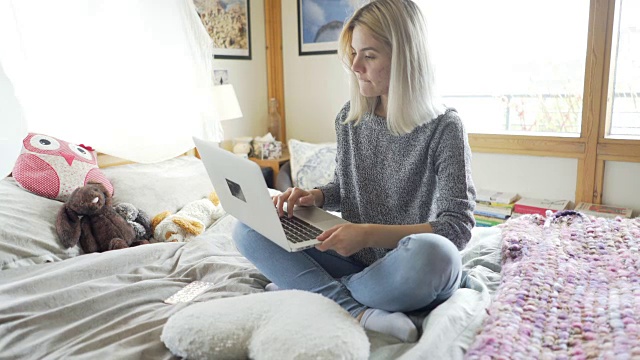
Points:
(455, 200)
(331, 191)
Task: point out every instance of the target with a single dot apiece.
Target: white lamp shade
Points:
(13, 126)
(226, 102)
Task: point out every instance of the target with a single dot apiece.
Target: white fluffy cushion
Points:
(312, 165)
(288, 324)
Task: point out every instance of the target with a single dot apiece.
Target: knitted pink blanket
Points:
(570, 289)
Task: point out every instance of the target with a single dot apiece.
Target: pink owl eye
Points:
(44, 142)
(82, 152)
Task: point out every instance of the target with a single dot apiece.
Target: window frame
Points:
(591, 149)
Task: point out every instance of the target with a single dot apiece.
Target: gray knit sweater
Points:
(420, 177)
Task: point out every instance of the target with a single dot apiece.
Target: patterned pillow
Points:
(312, 165)
(53, 168)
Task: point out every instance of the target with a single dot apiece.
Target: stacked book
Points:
(604, 211)
(493, 207)
(539, 206)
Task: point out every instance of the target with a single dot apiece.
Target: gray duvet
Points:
(110, 305)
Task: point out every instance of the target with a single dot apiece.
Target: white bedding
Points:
(110, 305)
(27, 228)
(450, 329)
(99, 305)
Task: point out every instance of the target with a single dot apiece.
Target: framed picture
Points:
(220, 77)
(320, 23)
(228, 24)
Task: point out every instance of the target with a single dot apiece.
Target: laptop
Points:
(244, 194)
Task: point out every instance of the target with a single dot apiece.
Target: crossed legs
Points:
(422, 270)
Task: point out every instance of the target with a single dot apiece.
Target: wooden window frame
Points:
(275, 66)
(591, 149)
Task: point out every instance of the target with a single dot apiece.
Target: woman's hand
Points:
(297, 197)
(345, 239)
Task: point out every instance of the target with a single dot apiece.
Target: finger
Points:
(326, 234)
(296, 193)
(328, 244)
(330, 240)
(274, 199)
(277, 203)
(281, 200)
(322, 246)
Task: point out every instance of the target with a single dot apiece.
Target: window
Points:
(624, 92)
(511, 67)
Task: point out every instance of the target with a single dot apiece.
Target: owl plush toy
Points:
(53, 168)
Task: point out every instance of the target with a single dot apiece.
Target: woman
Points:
(403, 180)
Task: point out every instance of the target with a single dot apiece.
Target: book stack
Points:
(605, 211)
(493, 207)
(539, 206)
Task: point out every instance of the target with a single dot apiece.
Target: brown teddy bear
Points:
(88, 217)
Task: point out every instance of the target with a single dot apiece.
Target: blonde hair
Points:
(412, 100)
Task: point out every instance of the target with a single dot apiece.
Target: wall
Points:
(621, 185)
(316, 89)
(249, 79)
(533, 176)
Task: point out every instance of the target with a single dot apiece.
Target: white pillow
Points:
(28, 228)
(164, 186)
(27, 221)
(286, 324)
(312, 165)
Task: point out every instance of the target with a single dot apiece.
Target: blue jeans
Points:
(421, 272)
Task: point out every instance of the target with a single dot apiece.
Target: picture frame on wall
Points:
(220, 76)
(228, 22)
(320, 23)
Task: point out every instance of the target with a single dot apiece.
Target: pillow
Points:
(27, 228)
(165, 186)
(53, 168)
(27, 221)
(286, 324)
(312, 165)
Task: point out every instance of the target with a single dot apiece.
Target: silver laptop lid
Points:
(242, 190)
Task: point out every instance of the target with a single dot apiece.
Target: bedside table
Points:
(273, 163)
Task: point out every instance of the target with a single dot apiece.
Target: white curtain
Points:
(131, 78)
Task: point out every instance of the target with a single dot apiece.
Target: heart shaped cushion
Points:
(286, 324)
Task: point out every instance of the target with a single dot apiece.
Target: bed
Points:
(61, 303)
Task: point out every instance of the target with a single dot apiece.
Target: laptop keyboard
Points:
(298, 230)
